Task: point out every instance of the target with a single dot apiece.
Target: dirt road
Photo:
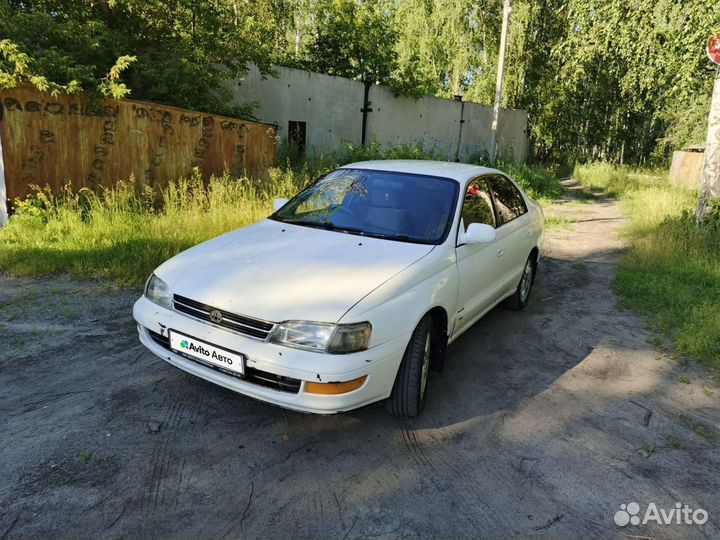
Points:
(543, 423)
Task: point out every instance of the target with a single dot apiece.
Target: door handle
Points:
(500, 252)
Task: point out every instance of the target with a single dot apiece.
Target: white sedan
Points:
(350, 292)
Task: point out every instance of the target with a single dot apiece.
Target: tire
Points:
(518, 300)
(410, 388)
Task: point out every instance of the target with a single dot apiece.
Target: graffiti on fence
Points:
(53, 141)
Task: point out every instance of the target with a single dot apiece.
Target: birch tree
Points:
(709, 201)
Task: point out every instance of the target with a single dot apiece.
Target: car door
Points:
(477, 263)
(512, 232)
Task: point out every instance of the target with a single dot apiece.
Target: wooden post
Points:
(710, 182)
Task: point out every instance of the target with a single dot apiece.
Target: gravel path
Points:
(543, 423)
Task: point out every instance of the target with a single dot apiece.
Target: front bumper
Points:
(379, 363)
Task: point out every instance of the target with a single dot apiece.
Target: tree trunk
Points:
(709, 201)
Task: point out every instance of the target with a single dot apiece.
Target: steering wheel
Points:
(337, 209)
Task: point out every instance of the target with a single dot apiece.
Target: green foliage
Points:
(539, 182)
(17, 68)
(123, 233)
(671, 273)
(607, 80)
(351, 153)
(616, 180)
(616, 81)
(179, 52)
(450, 48)
(111, 85)
(354, 40)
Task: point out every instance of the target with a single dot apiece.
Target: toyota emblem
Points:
(216, 316)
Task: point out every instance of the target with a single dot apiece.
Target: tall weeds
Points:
(122, 233)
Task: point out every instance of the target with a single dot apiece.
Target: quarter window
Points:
(509, 203)
(477, 206)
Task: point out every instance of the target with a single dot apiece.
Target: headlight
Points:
(327, 337)
(156, 290)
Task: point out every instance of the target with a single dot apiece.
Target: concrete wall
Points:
(330, 105)
(429, 122)
(686, 169)
(331, 108)
(513, 142)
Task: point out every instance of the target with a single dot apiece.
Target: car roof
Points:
(461, 172)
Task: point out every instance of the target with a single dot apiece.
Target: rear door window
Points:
(509, 202)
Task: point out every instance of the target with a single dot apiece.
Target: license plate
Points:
(205, 352)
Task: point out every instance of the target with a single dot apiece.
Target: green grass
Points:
(557, 221)
(122, 233)
(671, 272)
(673, 441)
(539, 182)
(614, 180)
(702, 430)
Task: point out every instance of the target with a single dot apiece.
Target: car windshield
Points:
(398, 206)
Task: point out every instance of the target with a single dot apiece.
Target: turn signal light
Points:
(334, 388)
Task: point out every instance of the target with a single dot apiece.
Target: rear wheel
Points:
(408, 394)
(518, 300)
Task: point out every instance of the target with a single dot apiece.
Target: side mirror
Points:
(279, 203)
(478, 233)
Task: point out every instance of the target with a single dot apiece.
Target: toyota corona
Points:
(350, 292)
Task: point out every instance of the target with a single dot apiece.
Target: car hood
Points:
(277, 271)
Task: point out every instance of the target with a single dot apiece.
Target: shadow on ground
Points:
(542, 424)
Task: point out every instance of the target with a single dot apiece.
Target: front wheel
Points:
(408, 394)
(518, 300)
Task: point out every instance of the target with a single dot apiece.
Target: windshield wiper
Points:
(332, 227)
(324, 225)
(328, 226)
(392, 236)
(297, 222)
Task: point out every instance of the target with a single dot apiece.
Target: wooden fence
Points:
(686, 169)
(48, 140)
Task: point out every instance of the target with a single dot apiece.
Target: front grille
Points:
(244, 325)
(271, 380)
(163, 341)
(252, 375)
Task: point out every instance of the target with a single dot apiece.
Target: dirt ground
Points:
(544, 422)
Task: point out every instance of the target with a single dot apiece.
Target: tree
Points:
(354, 40)
(611, 79)
(449, 47)
(183, 50)
(709, 201)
